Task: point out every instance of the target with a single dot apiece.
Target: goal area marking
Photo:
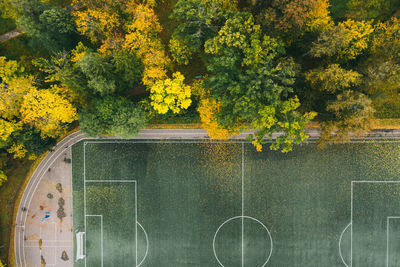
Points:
(86, 215)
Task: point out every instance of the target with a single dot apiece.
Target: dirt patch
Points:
(60, 212)
(42, 261)
(64, 256)
(59, 188)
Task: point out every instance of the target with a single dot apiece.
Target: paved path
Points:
(10, 35)
(56, 234)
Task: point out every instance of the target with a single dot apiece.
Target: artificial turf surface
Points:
(220, 204)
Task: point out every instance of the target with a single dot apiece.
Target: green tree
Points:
(112, 115)
(252, 81)
(99, 73)
(127, 68)
(200, 20)
(51, 28)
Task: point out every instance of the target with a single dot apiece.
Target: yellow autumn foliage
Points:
(170, 94)
(11, 96)
(18, 150)
(47, 112)
(143, 39)
(207, 109)
(9, 69)
(7, 128)
(3, 179)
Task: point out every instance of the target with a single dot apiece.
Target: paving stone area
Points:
(49, 241)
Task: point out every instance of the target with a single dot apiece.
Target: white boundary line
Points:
(242, 204)
(387, 236)
(352, 191)
(101, 236)
(207, 140)
(84, 194)
(110, 181)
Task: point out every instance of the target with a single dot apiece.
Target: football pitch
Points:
(200, 203)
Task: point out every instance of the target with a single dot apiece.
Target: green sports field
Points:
(201, 203)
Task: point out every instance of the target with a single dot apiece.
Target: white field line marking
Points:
(351, 233)
(351, 229)
(371, 182)
(101, 235)
(84, 193)
(246, 217)
(242, 204)
(147, 244)
(207, 140)
(136, 223)
(110, 181)
(388, 236)
(340, 243)
(22, 216)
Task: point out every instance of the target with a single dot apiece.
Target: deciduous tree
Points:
(251, 79)
(353, 112)
(170, 94)
(333, 78)
(344, 41)
(143, 39)
(200, 20)
(47, 112)
(112, 115)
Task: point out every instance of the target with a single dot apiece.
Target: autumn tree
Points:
(112, 116)
(252, 80)
(344, 41)
(30, 117)
(180, 51)
(208, 108)
(47, 112)
(293, 16)
(170, 94)
(382, 68)
(143, 39)
(101, 21)
(352, 114)
(333, 78)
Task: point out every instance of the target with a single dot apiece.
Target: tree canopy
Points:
(252, 79)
